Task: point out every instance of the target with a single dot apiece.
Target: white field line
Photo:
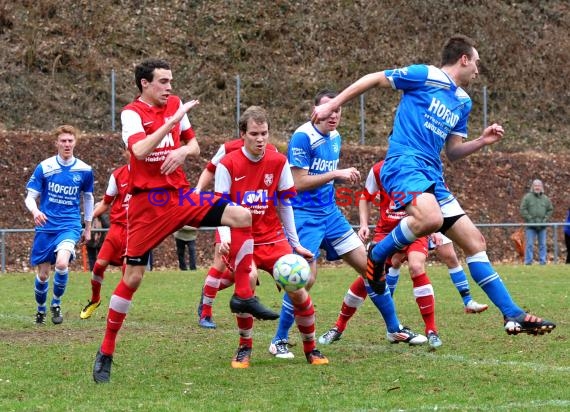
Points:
(511, 406)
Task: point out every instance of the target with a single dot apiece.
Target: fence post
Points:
(3, 250)
(555, 240)
(238, 91)
(362, 126)
(113, 100)
(484, 107)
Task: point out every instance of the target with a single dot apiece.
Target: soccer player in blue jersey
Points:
(60, 182)
(313, 153)
(432, 115)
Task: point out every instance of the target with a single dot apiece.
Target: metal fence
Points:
(369, 119)
(555, 241)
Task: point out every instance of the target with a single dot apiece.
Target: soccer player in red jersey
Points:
(158, 133)
(218, 276)
(116, 199)
(261, 180)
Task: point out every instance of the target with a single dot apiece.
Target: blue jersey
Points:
(311, 150)
(432, 107)
(60, 187)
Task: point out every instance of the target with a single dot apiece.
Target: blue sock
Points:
(400, 237)
(392, 279)
(286, 319)
(41, 290)
(385, 305)
(483, 273)
(459, 279)
(59, 284)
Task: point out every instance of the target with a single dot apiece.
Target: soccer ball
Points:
(291, 272)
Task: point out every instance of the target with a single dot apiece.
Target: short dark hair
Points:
(145, 70)
(455, 47)
(255, 113)
(324, 93)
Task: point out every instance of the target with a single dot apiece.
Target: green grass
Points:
(165, 362)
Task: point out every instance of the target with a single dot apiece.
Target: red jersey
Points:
(139, 120)
(229, 147)
(259, 186)
(374, 192)
(117, 195)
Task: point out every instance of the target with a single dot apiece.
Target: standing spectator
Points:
(159, 136)
(185, 238)
(60, 182)
(536, 207)
(97, 238)
(567, 236)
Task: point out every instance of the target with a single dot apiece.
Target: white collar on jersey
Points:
(65, 162)
(250, 156)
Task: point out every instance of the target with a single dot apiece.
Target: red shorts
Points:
(419, 245)
(114, 246)
(265, 256)
(155, 215)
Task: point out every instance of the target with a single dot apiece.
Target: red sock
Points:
(241, 254)
(211, 285)
(351, 302)
(96, 281)
(118, 309)
(305, 320)
(423, 292)
(245, 329)
(227, 280)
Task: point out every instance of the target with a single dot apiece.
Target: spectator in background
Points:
(97, 238)
(567, 236)
(185, 237)
(536, 207)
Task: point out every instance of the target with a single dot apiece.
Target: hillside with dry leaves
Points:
(57, 58)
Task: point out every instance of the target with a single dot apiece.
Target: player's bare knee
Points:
(61, 266)
(236, 216)
(299, 296)
(133, 277)
(310, 283)
(475, 245)
(43, 273)
(416, 268)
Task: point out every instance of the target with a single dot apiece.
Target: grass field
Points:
(165, 362)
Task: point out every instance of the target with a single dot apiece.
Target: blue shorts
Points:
(331, 232)
(47, 244)
(406, 177)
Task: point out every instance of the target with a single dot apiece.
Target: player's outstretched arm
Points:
(456, 148)
(360, 86)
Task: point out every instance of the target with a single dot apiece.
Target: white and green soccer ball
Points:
(291, 272)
